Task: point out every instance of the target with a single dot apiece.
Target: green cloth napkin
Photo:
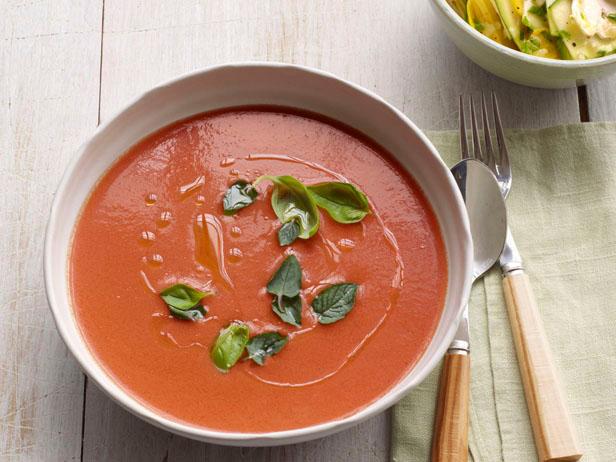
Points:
(562, 212)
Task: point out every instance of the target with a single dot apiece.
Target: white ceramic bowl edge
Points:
(514, 65)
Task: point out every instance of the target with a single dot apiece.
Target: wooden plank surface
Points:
(49, 91)
(602, 100)
(394, 48)
(49, 79)
(112, 434)
(389, 47)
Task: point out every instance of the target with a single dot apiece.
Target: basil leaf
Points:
(182, 297)
(230, 345)
(289, 309)
(291, 201)
(344, 202)
(263, 345)
(288, 233)
(193, 314)
(287, 281)
(241, 194)
(335, 302)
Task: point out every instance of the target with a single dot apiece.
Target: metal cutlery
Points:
(488, 221)
(554, 434)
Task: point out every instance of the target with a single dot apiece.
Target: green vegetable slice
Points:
(335, 302)
(263, 345)
(230, 346)
(344, 202)
(241, 194)
(540, 10)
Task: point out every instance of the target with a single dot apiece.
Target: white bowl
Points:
(245, 84)
(514, 65)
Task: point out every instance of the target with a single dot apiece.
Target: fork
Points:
(487, 219)
(553, 430)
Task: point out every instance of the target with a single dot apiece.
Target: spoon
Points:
(488, 221)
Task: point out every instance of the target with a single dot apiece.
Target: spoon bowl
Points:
(486, 210)
(488, 222)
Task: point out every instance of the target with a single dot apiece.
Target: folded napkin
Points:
(562, 212)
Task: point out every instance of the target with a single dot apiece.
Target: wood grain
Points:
(450, 440)
(392, 48)
(49, 67)
(112, 434)
(601, 99)
(49, 86)
(555, 437)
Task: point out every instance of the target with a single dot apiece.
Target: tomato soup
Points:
(142, 230)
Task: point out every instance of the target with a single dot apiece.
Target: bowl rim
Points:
(91, 367)
(517, 54)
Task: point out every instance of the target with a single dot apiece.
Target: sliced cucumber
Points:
(535, 15)
(510, 13)
(573, 40)
(566, 29)
(482, 15)
(535, 42)
(553, 28)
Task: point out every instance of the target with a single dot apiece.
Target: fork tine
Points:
(476, 140)
(463, 138)
(486, 133)
(503, 155)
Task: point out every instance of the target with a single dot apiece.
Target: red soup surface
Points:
(156, 219)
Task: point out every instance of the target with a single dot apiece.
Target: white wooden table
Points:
(65, 65)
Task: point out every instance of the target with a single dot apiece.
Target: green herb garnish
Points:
(289, 309)
(612, 16)
(263, 345)
(539, 10)
(479, 27)
(181, 296)
(285, 286)
(183, 301)
(241, 194)
(296, 205)
(288, 233)
(287, 281)
(530, 46)
(344, 202)
(192, 314)
(335, 302)
(230, 345)
(292, 202)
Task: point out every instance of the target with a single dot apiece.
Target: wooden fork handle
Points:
(555, 437)
(450, 439)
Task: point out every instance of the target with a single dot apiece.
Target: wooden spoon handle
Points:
(450, 440)
(555, 437)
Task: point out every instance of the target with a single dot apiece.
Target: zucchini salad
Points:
(557, 29)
